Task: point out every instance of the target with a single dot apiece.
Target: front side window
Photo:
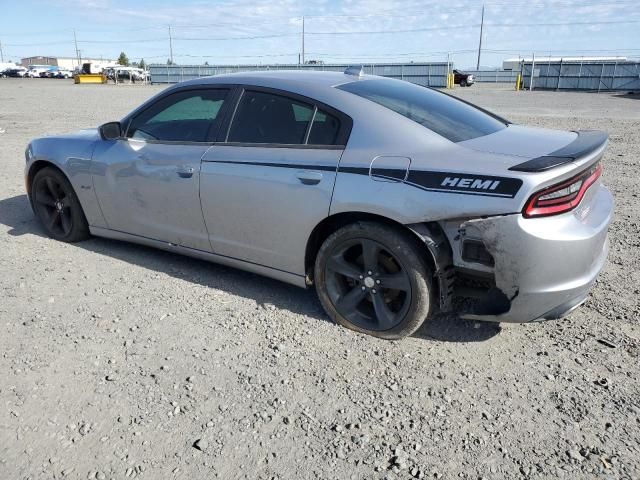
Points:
(267, 118)
(189, 116)
(453, 119)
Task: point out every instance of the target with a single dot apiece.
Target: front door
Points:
(269, 182)
(148, 183)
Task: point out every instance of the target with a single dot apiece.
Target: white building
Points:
(68, 63)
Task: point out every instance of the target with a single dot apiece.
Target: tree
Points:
(169, 62)
(141, 64)
(206, 64)
(123, 59)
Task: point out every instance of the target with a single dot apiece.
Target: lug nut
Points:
(369, 272)
(373, 291)
(361, 277)
(378, 282)
(364, 288)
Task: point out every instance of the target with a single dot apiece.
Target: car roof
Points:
(317, 85)
(315, 77)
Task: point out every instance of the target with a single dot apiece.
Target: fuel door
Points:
(389, 168)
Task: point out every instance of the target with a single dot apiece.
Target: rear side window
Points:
(451, 118)
(268, 118)
(324, 130)
(189, 116)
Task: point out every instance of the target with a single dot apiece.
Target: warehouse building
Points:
(62, 62)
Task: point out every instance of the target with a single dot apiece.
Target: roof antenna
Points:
(355, 70)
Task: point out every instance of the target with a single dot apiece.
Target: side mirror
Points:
(111, 131)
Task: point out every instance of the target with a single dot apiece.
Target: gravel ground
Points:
(120, 361)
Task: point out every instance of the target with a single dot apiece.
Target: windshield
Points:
(449, 117)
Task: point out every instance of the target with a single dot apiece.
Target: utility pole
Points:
(533, 67)
(1, 53)
(170, 46)
(75, 40)
(480, 42)
(303, 40)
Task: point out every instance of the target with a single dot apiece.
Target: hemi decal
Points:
(465, 183)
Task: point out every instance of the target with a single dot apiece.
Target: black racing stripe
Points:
(449, 182)
(431, 181)
(397, 174)
(302, 166)
(354, 170)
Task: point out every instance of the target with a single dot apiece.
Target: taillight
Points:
(562, 197)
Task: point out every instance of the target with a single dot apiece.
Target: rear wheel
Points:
(463, 83)
(372, 278)
(57, 206)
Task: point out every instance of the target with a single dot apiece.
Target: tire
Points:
(57, 206)
(463, 83)
(359, 300)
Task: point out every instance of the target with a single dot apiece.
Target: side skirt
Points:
(287, 277)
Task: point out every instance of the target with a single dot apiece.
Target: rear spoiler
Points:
(586, 142)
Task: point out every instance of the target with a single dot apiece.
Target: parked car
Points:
(5, 67)
(127, 74)
(36, 71)
(17, 72)
(64, 73)
(463, 79)
(49, 73)
(390, 198)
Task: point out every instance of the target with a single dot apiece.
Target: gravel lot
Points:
(120, 361)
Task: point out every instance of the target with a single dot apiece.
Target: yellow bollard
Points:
(518, 82)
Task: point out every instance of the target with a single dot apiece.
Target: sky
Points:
(344, 31)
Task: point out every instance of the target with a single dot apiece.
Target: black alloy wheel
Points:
(57, 207)
(373, 278)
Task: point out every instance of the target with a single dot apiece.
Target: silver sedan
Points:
(394, 200)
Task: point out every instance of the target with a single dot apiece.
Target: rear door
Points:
(148, 182)
(268, 181)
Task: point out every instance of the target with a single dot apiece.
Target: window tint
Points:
(268, 118)
(445, 115)
(184, 116)
(324, 130)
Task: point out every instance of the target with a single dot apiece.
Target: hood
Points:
(520, 141)
(84, 134)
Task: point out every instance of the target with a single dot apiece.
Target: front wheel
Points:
(463, 83)
(57, 206)
(372, 278)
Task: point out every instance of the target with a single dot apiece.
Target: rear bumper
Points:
(546, 266)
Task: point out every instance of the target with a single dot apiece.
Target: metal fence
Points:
(494, 76)
(593, 76)
(427, 74)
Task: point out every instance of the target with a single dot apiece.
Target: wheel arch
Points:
(429, 234)
(36, 167)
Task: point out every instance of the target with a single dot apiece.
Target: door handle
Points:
(185, 172)
(309, 178)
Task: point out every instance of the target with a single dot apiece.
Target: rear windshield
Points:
(451, 118)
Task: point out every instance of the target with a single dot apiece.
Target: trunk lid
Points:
(541, 149)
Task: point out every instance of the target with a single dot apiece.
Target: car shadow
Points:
(626, 95)
(15, 213)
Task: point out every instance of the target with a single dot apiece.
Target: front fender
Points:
(72, 155)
